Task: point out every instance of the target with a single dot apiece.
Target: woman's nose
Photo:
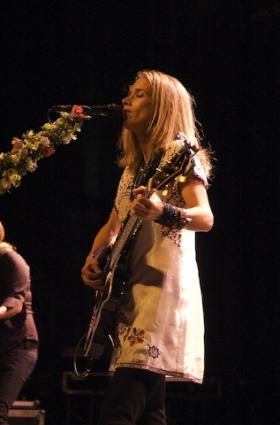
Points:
(126, 101)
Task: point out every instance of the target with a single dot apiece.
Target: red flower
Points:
(78, 110)
(17, 143)
(49, 150)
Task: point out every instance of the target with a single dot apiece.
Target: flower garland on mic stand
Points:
(28, 150)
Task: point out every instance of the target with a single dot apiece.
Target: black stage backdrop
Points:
(227, 53)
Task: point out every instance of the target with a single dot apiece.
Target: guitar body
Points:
(113, 263)
(117, 271)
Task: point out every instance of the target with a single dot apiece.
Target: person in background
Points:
(18, 332)
(160, 328)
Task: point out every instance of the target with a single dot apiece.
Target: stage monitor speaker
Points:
(26, 413)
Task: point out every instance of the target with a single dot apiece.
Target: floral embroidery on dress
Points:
(136, 336)
(174, 234)
(124, 331)
(153, 352)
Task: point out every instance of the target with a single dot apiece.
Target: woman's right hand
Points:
(91, 273)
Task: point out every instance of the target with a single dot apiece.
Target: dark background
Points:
(226, 52)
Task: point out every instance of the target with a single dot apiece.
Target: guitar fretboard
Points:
(130, 228)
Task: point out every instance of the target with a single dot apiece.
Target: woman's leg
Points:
(134, 395)
(15, 368)
(154, 413)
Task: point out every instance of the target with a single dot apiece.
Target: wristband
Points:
(171, 217)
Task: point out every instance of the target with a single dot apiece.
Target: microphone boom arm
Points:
(110, 110)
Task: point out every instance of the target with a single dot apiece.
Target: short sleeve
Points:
(196, 170)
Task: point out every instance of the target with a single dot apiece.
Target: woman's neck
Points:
(145, 147)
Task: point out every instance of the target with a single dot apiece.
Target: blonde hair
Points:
(3, 244)
(173, 113)
(2, 232)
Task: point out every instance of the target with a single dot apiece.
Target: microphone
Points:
(110, 110)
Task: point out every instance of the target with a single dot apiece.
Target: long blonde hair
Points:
(173, 113)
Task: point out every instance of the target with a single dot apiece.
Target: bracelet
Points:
(171, 217)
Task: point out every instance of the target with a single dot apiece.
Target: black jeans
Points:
(134, 396)
(16, 366)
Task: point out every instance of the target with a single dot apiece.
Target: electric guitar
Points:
(113, 265)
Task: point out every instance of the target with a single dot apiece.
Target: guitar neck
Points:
(129, 230)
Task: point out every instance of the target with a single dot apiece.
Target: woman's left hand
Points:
(146, 208)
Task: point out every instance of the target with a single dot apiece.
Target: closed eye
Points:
(136, 92)
(139, 93)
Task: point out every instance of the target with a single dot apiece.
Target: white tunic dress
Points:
(162, 326)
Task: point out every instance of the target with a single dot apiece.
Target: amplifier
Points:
(94, 384)
(26, 413)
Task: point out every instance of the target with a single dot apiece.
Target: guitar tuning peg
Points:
(181, 179)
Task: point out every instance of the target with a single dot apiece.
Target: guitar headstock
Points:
(171, 169)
